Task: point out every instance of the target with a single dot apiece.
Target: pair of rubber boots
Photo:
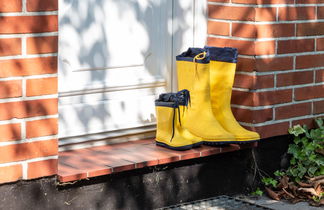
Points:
(208, 76)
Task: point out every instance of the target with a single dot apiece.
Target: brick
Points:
(11, 46)
(319, 75)
(252, 116)
(245, 1)
(272, 97)
(42, 168)
(254, 82)
(276, 129)
(296, 46)
(311, 92)
(42, 5)
(297, 13)
(28, 66)
(320, 12)
(218, 28)
(246, 64)
(294, 78)
(231, 13)
(310, 29)
(261, 98)
(39, 45)
(25, 151)
(309, 1)
(244, 47)
(10, 173)
(242, 98)
(220, 1)
(264, 81)
(38, 128)
(318, 107)
(244, 30)
(275, 30)
(274, 64)
(244, 81)
(265, 48)
(320, 44)
(260, 2)
(309, 122)
(10, 132)
(43, 86)
(309, 61)
(10, 6)
(265, 14)
(32, 24)
(24, 109)
(10, 89)
(294, 110)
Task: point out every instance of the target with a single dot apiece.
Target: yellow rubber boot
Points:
(170, 133)
(222, 71)
(193, 75)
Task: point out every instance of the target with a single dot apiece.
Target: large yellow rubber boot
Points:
(193, 75)
(170, 133)
(222, 71)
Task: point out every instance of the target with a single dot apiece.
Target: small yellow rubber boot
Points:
(170, 133)
(193, 75)
(222, 71)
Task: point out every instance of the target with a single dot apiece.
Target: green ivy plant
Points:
(307, 159)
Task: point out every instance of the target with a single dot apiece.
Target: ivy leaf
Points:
(296, 130)
(257, 192)
(316, 134)
(320, 161)
(311, 171)
(301, 171)
(294, 150)
(279, 173)
(319, 122)
(270, 181)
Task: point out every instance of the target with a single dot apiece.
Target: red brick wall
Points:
(279, 80)
(280, 74)
(28, 89)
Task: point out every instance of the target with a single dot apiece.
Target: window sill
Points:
(103, 160)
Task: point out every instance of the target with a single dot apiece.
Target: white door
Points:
(115, 57)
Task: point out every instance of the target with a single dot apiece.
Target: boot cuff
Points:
(191, 53)
(226, 54)
(173, 99)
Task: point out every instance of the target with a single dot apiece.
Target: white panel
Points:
(200, 23)
(99, 38)
(102, 112)
(183, 31)
(116, 56)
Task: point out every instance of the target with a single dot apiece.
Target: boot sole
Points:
(209, 143)
(182, 148)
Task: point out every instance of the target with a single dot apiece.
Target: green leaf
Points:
(296, 130)
(301, 171)
(257, 192)
(319, 122)
(311, 171)
(270, 181)
(279, 173)
(293, 149)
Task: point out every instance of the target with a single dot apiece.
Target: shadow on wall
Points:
(251, 47)
(89, 53)
(101, 56)
(18, 109)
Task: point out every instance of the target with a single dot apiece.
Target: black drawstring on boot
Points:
(174, 100)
